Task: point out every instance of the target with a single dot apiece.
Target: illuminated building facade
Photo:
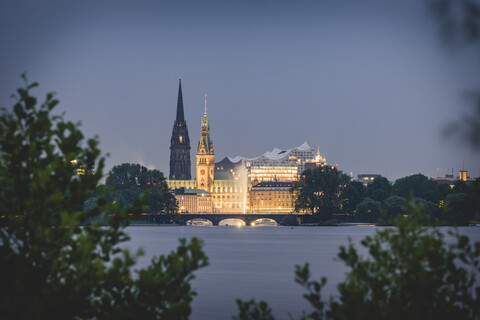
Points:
(230, 196)
(266, 173)
(178, 184)
(271, 197)
(227, 196)
(367, 178)
(316, 162)
(180, 164)
(450, 180)
(193, 201)
(275, 165)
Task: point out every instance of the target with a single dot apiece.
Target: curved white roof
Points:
(275, 154)
(304, 147)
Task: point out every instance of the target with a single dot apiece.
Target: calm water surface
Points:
(256, 263)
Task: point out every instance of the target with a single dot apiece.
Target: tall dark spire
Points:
(180, 115)
(180, 163)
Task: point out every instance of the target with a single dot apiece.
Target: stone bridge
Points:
(215, 218)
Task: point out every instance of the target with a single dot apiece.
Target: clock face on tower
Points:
(202, 172)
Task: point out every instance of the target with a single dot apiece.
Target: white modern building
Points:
(275, 165)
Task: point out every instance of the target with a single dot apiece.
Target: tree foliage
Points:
(52, 267)
(368, 210)
(460, 24)
(459, 20)
(411, 272)
(367, 204)
(458, 207)
(319, 191)
(463, 203)
(379, 189)
(395, 205)
(420, 186)
(251, 310)
(353, 193)
(130, 180)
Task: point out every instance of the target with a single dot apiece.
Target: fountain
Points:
(241, 183)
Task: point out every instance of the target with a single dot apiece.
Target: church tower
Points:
(205, 156)
(180, 165)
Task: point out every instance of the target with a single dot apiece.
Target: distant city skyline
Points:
(372, 83)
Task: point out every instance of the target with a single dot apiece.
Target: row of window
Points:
(228, 197)
(283, 196)
(272, 205)
(262, 192)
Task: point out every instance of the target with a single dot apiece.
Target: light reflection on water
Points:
(232, 223)
(257, 262)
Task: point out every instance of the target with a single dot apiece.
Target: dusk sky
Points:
(372, 83)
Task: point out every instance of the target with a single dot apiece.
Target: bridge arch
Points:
(199, 222)
(264, 222)
(232, 222)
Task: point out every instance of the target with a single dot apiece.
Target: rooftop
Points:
(189, 191)
(270, 184)
(275, 154)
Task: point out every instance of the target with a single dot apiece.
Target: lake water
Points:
(256, 262)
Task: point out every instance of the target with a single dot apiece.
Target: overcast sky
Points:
(369, 82)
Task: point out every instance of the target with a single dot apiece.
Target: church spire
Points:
(205, 117)
(180, 164)
(205, 144)
(205, 156)
(180, 115)
(205, 104)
